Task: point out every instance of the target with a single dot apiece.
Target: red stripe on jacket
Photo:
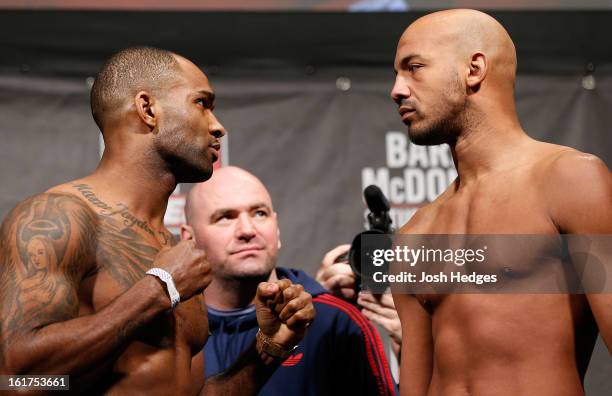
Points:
(374, 348)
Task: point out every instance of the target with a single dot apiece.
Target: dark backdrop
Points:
(314, 139)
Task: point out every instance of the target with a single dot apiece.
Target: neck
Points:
(139, 180)
(227, 294)
(489, 145)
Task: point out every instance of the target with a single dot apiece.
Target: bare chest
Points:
(507, 219)
(511, 205)
(124, 253)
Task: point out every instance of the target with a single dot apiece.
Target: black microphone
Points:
(379, 209)
(376, 237)
(376, 200)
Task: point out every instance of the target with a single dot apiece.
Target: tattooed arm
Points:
(47, 246)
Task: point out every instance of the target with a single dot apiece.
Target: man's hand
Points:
(380, 309)
(284, 311)
(337, 277)
(188, 266)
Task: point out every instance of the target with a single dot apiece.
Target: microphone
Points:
(378, 205)
(378, 236)
(375, 199)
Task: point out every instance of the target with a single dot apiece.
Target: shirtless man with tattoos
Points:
(454, 85)
(74, 294)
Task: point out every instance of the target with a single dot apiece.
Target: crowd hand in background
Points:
(338, 277)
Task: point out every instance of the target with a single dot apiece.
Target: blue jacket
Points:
(341, 354)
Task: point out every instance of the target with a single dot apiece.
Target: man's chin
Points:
(422, 137)
(196, 175)
(251, 277)
(250, 272)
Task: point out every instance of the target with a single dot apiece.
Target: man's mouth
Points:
(247, 249)
(406, 112)
(215, 147)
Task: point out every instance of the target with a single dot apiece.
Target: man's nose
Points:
(400, 90)
(216, 129)
(244, 227)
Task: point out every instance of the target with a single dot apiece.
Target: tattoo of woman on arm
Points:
(46, 249)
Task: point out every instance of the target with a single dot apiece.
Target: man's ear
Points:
(187, 233)
(277, 231)
(477, 71)
(146, 107)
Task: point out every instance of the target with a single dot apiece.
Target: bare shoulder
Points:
(577, 188)
(558, 163)
(574, 172)
(574, 164)
(420, 218)
(54, 205)
(61, 221)
(46, 248)
(413, 225)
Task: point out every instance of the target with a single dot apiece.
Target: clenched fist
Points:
(188, 266)
(284, 311)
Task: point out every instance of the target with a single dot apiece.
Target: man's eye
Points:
(412, 68)
(223, 219)
(261, 213)
(204, 102)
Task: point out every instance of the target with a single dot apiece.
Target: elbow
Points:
(15, 361)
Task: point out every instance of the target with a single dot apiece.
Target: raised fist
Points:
(284, 311)
(188, 266)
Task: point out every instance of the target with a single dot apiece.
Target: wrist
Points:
(270, 350)
(160, 296)
(165, 279)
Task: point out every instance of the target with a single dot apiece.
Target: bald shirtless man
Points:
(91, 283)
(454, 85)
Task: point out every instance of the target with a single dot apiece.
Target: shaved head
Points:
(454, 69)
(126, 73)
(217, 188)
(466, 32)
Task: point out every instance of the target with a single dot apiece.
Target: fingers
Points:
(302, 317)
(298, 311)
(296, 299)
(287, 295)
(374, 306)
(385, 300)
(272, 294)
(331, 256)
(381, 310)
(377, 318)
(346, 293)
(339, 281)
(393, 327)
(338, 269)
(266, 291)
(292, 300)
(284, 310)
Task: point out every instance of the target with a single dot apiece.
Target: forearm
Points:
(87, 343)
(245, 377)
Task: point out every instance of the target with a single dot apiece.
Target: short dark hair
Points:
(127, 72)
